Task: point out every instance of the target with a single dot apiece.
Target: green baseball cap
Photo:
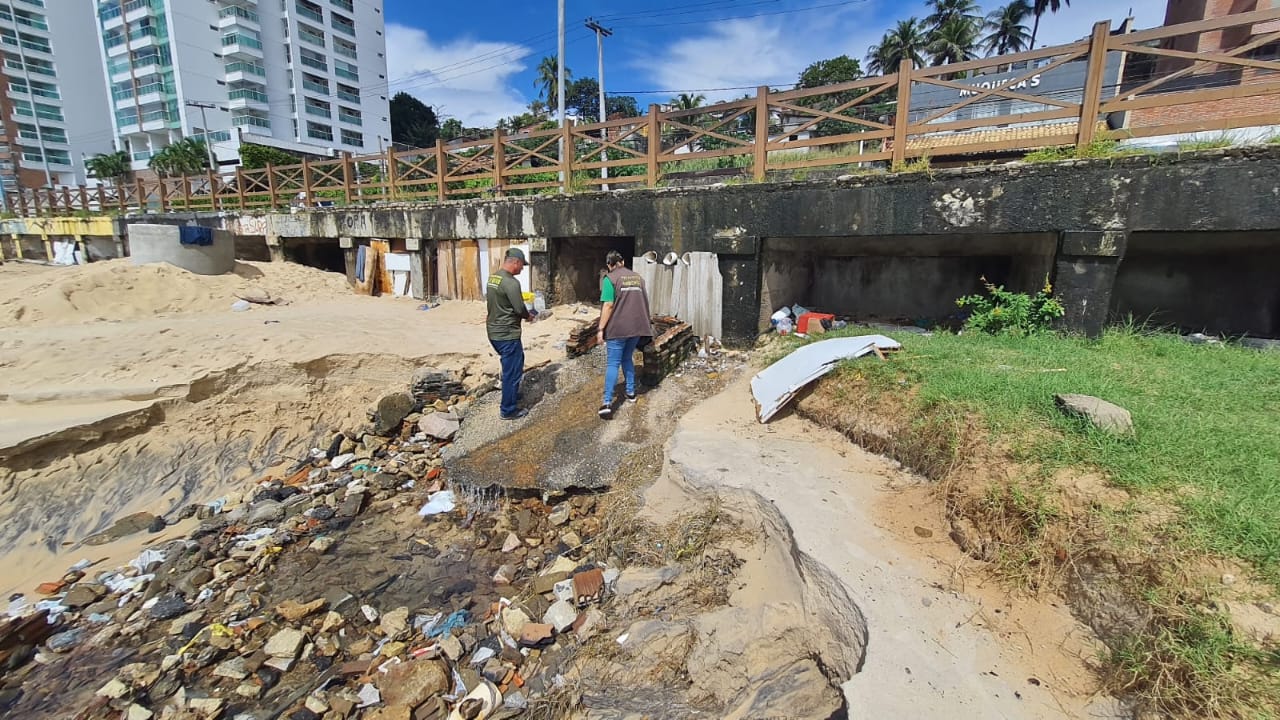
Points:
(518, 254)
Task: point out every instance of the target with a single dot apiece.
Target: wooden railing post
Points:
(141, 190)
(566, 155)
(903, 115)
(186, 194)
(653, 146)
(102, 198)
(393, 173)
(271, 185)
(240, 186)
(442, 170)
(215, 201)
(84, 198)
(347, 177)
(35, 201)
(1092, 98)
(306, 183)
(121, 192)
(760, 166)
(499, 160)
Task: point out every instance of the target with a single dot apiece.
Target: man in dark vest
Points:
(624, 321)
(506, 311)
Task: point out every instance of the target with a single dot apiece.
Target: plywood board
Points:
(383, 283)
(470, 281)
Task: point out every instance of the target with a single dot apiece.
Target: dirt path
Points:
(940, 644)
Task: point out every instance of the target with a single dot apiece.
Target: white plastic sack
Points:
(441, 502)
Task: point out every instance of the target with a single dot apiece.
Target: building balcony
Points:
(241, 46)
(236, 16)
(250, 121)
(247, 99)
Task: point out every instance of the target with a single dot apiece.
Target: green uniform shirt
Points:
(506, 306)
(606, 290)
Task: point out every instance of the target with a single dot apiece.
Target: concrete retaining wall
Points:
(160, 243)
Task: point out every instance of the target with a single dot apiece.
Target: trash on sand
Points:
(369, 695)
(145, 559)
(240, 305)
(441, 502)
(777, 384)
(456, 620)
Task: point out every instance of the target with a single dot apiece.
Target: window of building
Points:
(342, 24)
(345, 48)
(351, 137)
(348, 93)
(315, 84)
(346, 70)
(311, 35)
(347, 115)
(313, 59)
(318, 108)
(319, 132)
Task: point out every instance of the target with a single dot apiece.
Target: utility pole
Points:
(560, 92)
(204, 122)
(601, 34)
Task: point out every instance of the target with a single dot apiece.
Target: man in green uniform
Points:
(506, 312)
(624, 321)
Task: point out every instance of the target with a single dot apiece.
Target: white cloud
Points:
(463, 78)
(775, 49)
(757, 51)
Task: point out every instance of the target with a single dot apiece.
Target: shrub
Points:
(1001, 312)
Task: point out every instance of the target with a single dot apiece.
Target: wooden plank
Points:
(1200, 26)
(760, 161)
(1093, 83)
(385, 283)
(902, 117)
(468, 265)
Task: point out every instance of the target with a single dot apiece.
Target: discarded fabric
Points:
(192, 235)
(456, 621)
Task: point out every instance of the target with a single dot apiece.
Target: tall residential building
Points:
(303, 75)
(54, 97)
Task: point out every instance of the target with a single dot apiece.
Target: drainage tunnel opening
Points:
(1220, 283)
(577, 264)
(319, 253)
(902, 280)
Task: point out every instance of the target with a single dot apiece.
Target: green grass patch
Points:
(1100, 149)
(1207, 419)
(1225, 140)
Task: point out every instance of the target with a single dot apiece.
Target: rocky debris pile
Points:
(196, 628)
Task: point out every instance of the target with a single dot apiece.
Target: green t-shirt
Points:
(606, 290)
(506, 306)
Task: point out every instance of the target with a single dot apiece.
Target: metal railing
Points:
(936, 112)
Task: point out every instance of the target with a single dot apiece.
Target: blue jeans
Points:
(621, 352)
(511, 352)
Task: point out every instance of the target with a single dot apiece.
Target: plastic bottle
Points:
(784, 326)
(539, 301)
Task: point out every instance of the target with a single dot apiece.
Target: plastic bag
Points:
(784, 326)
(441, 502)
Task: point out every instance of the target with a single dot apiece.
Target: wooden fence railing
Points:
(1149, 80)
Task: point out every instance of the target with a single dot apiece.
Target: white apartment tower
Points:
(55, 96)
(302, 75)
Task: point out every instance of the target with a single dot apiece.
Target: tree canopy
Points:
(187, 156)
(109, 166)
(413, 122)
(255, 157)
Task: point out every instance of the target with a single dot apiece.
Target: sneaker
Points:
(631, 397)
(606, 412)
(516, 415)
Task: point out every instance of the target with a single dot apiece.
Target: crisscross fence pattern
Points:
(1139, 84)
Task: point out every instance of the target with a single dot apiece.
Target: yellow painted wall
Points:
(100, 226)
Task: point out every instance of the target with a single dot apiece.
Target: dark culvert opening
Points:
(319, 253)
(902, 280)
(1221, 283)
(577, 264)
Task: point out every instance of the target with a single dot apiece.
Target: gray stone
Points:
(451, 647)
(265, 512)
(167, 608)
(392, 410)
(560, 515)
(285, 644)
(441, 426)
(643, 580)
(1102, 414)
(560, 615)
(235, 668)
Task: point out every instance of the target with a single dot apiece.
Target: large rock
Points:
(1102, 414)
(409, 684)
(392, 410)
(441, 426)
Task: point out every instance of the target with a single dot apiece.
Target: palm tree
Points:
(549, 78)
(907, 41)
(686, 101)
(956, 41)
(1008, 33)
(946, 10)
(109, 166)
(1040, 8)
(187, 156)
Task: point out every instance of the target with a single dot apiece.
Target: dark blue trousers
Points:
(512, 354)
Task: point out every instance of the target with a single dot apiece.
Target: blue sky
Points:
(475, 60)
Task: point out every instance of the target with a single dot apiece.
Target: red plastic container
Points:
(802, 325)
